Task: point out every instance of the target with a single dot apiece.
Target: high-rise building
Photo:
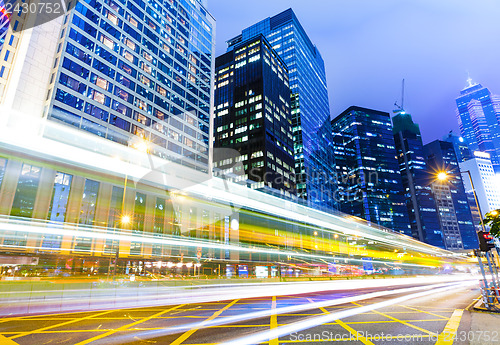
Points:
(485, 184)
(460, 145)
(478, 113)
(252, 102)
(451, 200)
(126, 71)
(369, 179)
(419, 200)
(314, 160)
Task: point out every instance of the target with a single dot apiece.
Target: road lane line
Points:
(7, 341)
(122, 328)
(348, 328)
(298, 326)
(186, 335)
(400, 321)
(22, 334)
(450, 330)
(426, 312)
(273, 321)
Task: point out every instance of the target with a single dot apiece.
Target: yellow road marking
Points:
(450, 330)
(191, 331)
(426, 312)
(22, 334)
(7, 341)
(401, 321)
(356, 335)
(386, 321)
(273, 321)
(351, 330)
(100, 336)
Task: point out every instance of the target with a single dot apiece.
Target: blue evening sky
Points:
(369, 46)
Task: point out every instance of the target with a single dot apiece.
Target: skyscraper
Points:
(478, 113)
(126, 71)
(314, 161)
(252, 101)
(419, 200)
(451, 200)
(460, 145)
(371, 184)
(483, 177)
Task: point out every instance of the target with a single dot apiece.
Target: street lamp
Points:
(443, 176)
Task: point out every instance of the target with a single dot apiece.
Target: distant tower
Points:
(451, 200)
(419, 200)
(314, 159)
(253, 116)
(478, 114)
(370, 182)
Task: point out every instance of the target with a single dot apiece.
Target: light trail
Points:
(78, 230)
(265, 336)
(71, 300)
(84, 150)
(319, 320)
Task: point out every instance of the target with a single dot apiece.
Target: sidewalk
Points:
(482, 327)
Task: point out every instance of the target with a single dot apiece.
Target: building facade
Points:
(419, 200)
(485, 184)
(460, 145)
(252, 101)
(126, 71)
(371, 186)
(314, 160)
(451, 200)
(478, 114)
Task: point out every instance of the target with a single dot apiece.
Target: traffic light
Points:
(485, 241)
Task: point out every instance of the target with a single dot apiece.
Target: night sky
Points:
(369, 46)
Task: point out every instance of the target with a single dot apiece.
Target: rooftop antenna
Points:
(401, 109)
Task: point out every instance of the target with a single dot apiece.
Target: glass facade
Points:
(130, 69)
(27, 186)
(420, 203)
(369, 178)
(460, 145)
(478, 114)
(89, 202)
(60, 196)
(451, 200)
(314, 160)
(252, 101)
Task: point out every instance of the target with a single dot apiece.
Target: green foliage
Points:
(493, 220)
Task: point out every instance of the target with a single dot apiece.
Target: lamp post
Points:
(443, 176)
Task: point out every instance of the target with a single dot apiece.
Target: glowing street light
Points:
(442, 176)
(125, 219)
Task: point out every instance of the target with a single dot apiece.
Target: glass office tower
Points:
(314, 160)
(369, 176)
(252, 101)
(416, 179)
(478, 114)
(129, 70)
(451, 200)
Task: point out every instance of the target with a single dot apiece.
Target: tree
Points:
(493, 220)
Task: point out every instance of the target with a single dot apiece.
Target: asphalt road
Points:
(364, 316)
